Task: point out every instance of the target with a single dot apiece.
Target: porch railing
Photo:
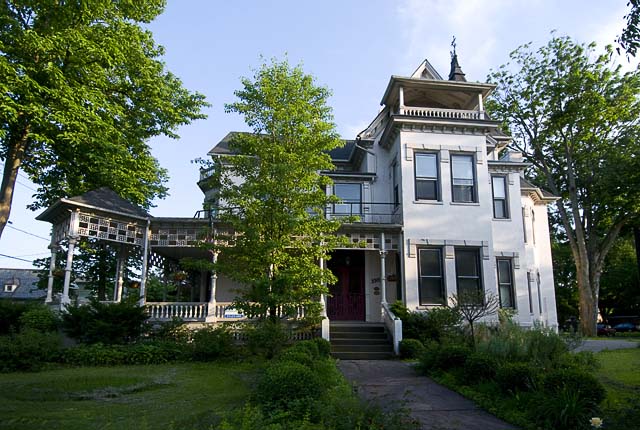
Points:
(431, 112)
(201, 311)
(394, 325)
(187, 311)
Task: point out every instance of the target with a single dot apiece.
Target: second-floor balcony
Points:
(348, 212)
(440, 113)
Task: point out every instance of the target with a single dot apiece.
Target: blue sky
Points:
(350, 46)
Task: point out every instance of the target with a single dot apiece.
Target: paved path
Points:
(600, 345)
(388, 382)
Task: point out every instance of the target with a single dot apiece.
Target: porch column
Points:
(64, 301)
(480, 106)
(401, 100)
(120, 262)
(52, 268)
(211, 309)
(145, 257)
(325, 326)
(383, 270)
(203, 286)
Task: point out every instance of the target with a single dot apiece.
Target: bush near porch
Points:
(526, 377)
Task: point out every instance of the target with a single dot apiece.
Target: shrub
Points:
(174, 330)
(10, 313)
(110, 323)
(324, 346)
(399, 310)
(117, 355)
(287, 386)
(435, 324)
(583, 360)
(512, 377)
(452, 356)
(39, 318)
(478, 367)
(28, 350)
(308, 346)
(565, 409)
(296, 356)
(209, 343)
(584, 384)
(411, 348)
(267, 338)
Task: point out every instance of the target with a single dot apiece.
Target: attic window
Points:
(10, 288)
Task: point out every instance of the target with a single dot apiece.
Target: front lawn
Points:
(170, 396)
(621, 378)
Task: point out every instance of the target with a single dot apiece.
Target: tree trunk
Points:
(588, 309)
(15, 154)
(636, 238)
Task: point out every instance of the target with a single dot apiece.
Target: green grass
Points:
(619, 373)
(172, 396)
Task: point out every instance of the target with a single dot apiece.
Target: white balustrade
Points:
(428, 112)
(187, 311)
(394, 325)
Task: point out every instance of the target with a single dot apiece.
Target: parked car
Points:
(606, 330)
(624, 327)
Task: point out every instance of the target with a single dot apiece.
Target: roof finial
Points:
(456, 73)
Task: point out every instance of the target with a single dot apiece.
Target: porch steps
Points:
(360, 341)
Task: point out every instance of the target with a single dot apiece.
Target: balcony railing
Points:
(439, 113)
(349, 212)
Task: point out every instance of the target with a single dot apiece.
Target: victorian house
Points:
(436, 201)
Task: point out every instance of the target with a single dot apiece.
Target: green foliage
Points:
(210, 343)
(574, 116)
(324, 346)
(39, 318)
(629, 40)
(267, 337)
(296, 356)
(444, 357)
(82, 89)
(578, 381)
(104, 323)
(28, 350)
(435, 324)
(308, 346)
(478, 367)
(10, 313)
(287, 386)
(411, 348)
(517, 376)
(117, 355)
(277, 165)
(583, 360)
(564, 409)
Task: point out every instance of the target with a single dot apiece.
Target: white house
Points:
(442, 207)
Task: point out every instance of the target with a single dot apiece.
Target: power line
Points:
(33, 255)
(16, 258)
(26, 232)
(26, 186)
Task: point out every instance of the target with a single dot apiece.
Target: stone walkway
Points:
(389, 382)
(598, 345)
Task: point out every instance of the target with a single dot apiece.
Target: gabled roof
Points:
(102, 199)
(426, 71)
(26, 281)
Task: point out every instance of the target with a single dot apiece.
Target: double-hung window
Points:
(427, 176)
(505, 283)
(500, 202)
(396, 183)
(351, 199)
(463, 178)
(431, 276)
(468, 272)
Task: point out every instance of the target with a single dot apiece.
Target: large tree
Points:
(272, 195)
(575, 117)
(82, 89)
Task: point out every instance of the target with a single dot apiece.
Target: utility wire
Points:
(16, 258)
(26, 232)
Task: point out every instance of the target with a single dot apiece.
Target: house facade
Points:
(433, 201)
(441, 207)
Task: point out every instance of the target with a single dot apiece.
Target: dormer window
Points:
(10, 288)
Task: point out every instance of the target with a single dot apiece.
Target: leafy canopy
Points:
(82, 89)
(272, 194)
(575, 116)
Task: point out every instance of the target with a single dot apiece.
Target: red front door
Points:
(347, 300)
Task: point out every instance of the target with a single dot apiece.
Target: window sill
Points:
(431, 306)
(428, 202)
(501, 219)
(464, 203)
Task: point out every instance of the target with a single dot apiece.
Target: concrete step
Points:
(362, 348)
(357, 328)
(362, 355)
(358, 335)
(357, 341)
